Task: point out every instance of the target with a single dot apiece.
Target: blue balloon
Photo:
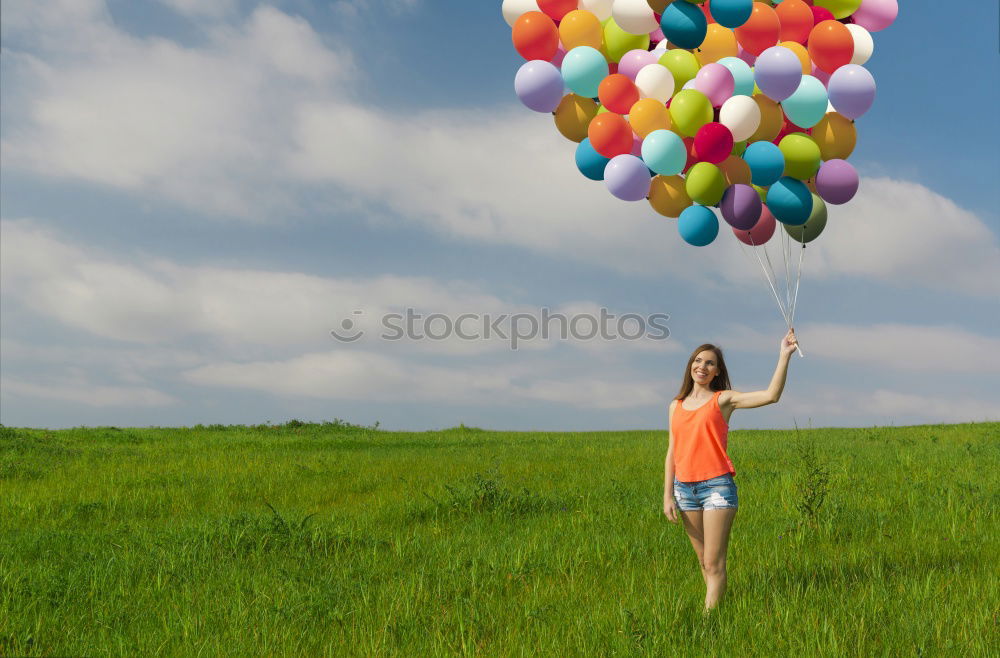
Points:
(590, 163)
(664, 152)
(730, 13)
(790, 201)
(766, 161)
(583, 69)
(808, 104)
(742, 74)
(684, 24)
(698, 225)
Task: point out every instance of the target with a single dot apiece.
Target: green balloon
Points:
(739, 148)
(705, 183)
(682, 64)
(839, 8)
(814, 225)
(617, 41)
(690, 110)
(601, 110)
(802, 157)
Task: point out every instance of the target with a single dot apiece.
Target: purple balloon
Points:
(837, 181)
(852, 90)
(627, 177)
(633, 61)
(539, 85)
(778, 73)
(875, 15)
(715, 81)
(741, 206)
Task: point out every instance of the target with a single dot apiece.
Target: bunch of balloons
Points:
(748, 107)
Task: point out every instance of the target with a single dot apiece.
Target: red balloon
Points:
(788, 128)
(761, 31)
(557, 8)
(821, 14)
(713, 143)
(831, 45)
(535, 36)
(692, 158)
(761, 232)
(610, 134)
(618, 93)
(796, 19)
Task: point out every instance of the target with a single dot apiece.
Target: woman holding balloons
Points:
(699, 483)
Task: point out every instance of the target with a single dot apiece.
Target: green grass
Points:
(308, 539)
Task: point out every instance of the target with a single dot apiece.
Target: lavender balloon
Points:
(539, 85)
(715, 81)
(633, 61)
(852, 90)
(627, 177)
(778, 72)
(837, 182)
(741, 206)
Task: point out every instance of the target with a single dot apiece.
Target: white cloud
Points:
(912, 348)
(202, 8)
(893, 407)
(79, 390)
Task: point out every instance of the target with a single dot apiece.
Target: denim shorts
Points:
(714, 493)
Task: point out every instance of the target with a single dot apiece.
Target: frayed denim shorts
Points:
(714, 493)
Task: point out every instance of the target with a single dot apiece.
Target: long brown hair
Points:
(721, 381)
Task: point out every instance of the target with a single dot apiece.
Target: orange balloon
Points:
(668, 196)
(836, 136)
(535, 36)
(800, 52)
(581, 28)
(736, 170)
(610, 134)
(772, 119)
(573, 116)
(831, 45)
(761, 31)
(648, 115)
(618, 93)
(719, 42)
(796, 20)
(556, 9)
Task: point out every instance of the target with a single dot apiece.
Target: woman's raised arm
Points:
(738, 400)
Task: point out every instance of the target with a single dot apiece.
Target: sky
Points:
(195, 193)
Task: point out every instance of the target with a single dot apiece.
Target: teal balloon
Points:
(808, 104)
(664, 152)
(813, 226)
(590, 163)
(766, 161)
(731, 13)
(698, 225)
(583, 69)
(790, 201)
(684, 24)
(742, 74)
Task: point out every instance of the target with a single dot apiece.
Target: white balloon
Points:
(741, 115)
(864, 45)
(655, 81)
(599, 8)
(512, 9)
(634, 16)
(662, 46)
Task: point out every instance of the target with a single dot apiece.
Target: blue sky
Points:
(195, 193)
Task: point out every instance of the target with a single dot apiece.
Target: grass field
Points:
(332, 539)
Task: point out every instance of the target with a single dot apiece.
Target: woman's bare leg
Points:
(717, 525)
(694, 525)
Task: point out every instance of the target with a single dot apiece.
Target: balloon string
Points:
(785, 254)
(773, 280)
(795, 299)
(769, 282)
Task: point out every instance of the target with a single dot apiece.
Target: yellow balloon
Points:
(580, 28)
(667, 195)
(573, 116)
(647, 115)
(771, 119)
(836, 136)
(800, 52)
(736, 170)
(719, 42)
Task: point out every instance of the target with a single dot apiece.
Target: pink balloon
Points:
(633, 61)
(636, 146)
(558, 59)
(656, 36)
(715, 81)
(762, 230)
(746, 56)
(821, 75)
(875, 15)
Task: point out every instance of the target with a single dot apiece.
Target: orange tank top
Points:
(700, 440)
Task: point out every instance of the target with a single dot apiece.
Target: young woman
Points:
(699, 473)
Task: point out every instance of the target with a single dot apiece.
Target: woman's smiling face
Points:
(705, 367)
